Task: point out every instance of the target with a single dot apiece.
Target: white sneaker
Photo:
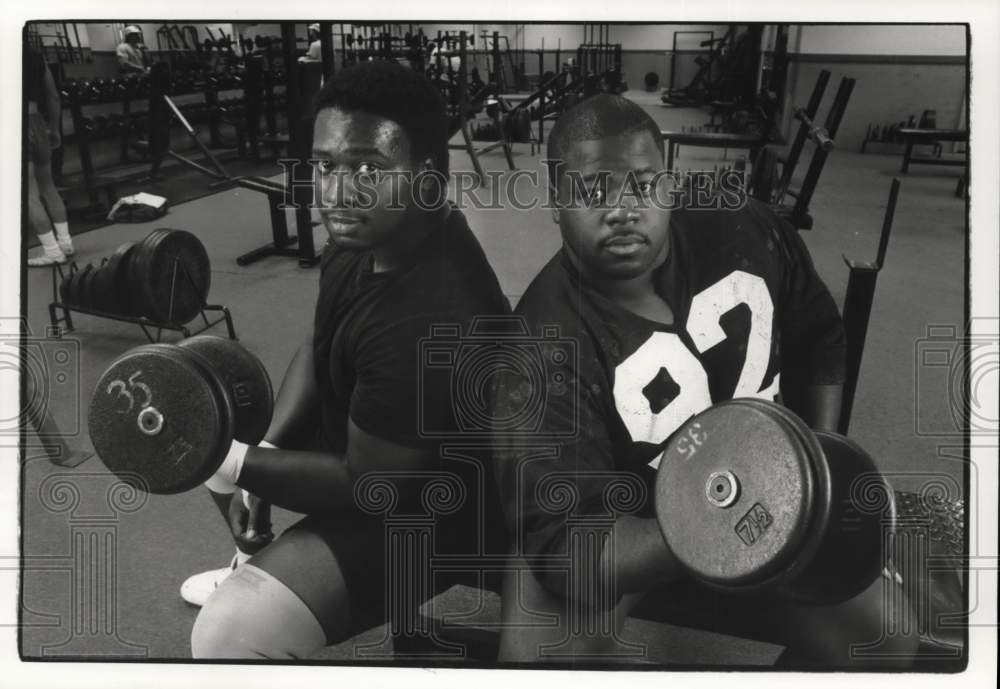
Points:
(47, 259)
(197, 588)
(66, 245)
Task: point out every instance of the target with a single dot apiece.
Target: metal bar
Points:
(220, 172)
(858, 302)
(142, 321)
(326, 49)
(890, 213)
(818, 135)
(819, 156)
(299, 143)
(788, 168)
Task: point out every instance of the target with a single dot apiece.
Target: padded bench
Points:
(469, 618)
(930, 136)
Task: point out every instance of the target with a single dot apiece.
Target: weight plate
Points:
(245, 378)
(65, 286)
(83, 286)
(87, 287)
(72, 289)
(98, 300)
(135, 275)
(850, 556)
(152, 275)
(735, 494)
(160, 420)
(111, 291)
(820, 513)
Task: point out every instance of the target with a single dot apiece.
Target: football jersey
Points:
(612, 387)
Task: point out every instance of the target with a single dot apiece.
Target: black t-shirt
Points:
(379, 341)
(749, 312)
(371, 330)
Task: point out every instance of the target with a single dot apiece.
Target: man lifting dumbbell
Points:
(348, 405)
(672, 311)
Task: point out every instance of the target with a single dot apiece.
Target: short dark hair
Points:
(597, 117)
(396, 93)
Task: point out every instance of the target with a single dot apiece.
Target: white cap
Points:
(314, 27)
(131, 29)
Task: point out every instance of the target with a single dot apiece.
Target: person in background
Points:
(46, 211)
(131, 52)
(315, 52)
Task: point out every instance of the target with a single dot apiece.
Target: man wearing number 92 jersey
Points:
(666, 313)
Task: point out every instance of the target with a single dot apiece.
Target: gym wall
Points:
(901, 70)
(648, 48)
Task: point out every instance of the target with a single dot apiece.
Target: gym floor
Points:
(149, 545)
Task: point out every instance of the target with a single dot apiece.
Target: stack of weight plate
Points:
(164, 278)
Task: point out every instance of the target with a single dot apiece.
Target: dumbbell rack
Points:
(64, 324)
(82, 135)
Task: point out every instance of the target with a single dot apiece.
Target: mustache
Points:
(627, 237)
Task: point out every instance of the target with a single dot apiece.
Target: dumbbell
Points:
(69, 90)
(750, 500)
(104, 89)
(83, 92)
(162, 417)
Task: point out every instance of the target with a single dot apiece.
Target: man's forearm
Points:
(817, 405)
(306, 482)
(637, 556)
(640, 555)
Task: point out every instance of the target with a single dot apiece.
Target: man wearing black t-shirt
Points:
(663, 313)
(350, 404)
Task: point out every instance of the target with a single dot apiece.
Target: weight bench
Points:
(931, 136)
(464, 622)
(281, 245)
(470, 617)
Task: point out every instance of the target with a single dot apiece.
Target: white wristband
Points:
(225, 477)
